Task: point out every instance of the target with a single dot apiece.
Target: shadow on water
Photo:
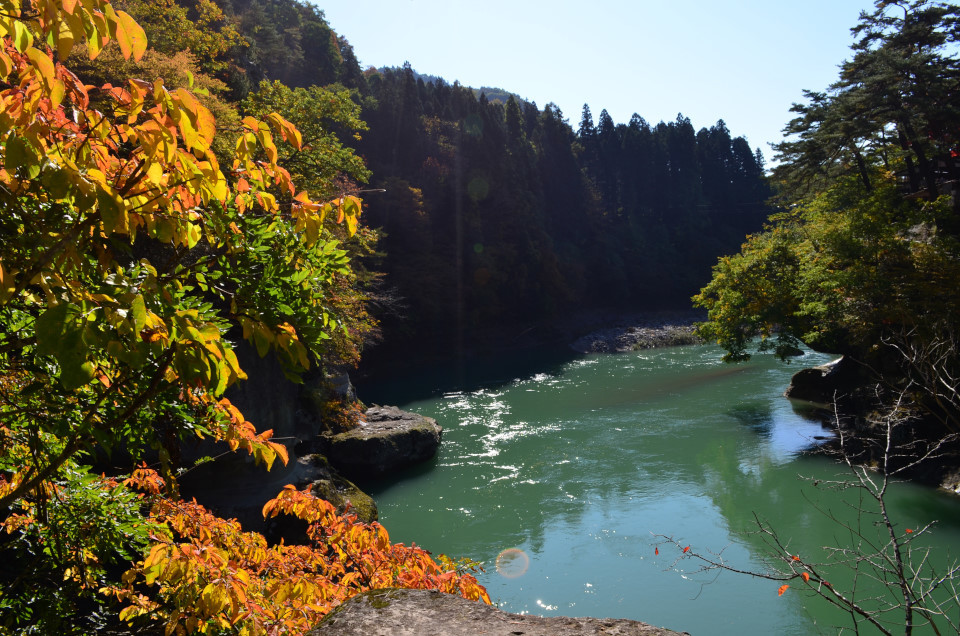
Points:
(375, 485)
(467, 374)
(756, 416)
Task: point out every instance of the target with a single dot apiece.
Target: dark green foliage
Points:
(894, 105)
(500, 214)
(289, 41)
(55, 562)
(866, 261)
(527, 219)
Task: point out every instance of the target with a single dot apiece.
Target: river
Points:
(569, 466)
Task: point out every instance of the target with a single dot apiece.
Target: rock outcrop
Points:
(328, 484)
(396, 612)
(387, 438)
(820, 385)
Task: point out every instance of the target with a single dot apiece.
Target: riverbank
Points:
(646, 330)
(614, 326)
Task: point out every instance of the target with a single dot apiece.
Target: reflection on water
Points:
(575, 464)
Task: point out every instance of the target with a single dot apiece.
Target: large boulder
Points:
(386, 438)
(822, 385)
(396, 612)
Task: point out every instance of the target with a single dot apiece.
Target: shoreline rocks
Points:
(402, 612)
(818, 385)
(642, 331)
(845, 398)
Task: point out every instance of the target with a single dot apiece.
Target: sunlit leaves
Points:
(129, 34)
(127, 253)
(205, 570)
(835, 273)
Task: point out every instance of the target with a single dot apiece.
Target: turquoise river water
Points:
(567, 467)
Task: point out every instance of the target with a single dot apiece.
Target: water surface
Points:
(574, 465)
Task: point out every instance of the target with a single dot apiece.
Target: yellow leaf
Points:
(206, 124)
(287, 131)
(155, 173)
(44, 66)
(22, 38)
(130, 35)
(65, 40)
(189, 133)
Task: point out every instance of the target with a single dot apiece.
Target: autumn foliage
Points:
(203, 571)
(128, 251)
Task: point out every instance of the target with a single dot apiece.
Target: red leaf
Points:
(796, 557)
(783, 588)
(909, 531)
(656, 550)
(685, 549)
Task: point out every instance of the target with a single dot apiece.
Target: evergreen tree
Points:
(586, 130)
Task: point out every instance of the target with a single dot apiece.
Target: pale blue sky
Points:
(743, 61)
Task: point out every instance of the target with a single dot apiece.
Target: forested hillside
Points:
(499, 214)
(502, 213)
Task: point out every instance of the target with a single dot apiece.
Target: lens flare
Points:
(512, 563)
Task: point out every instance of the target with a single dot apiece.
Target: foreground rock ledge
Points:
(396, 612)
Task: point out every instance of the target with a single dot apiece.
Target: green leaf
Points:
(110, 210)
(51, 327)
(22, 38)
(20, 156)
(55, 181)
(138, 311)
(75, 372)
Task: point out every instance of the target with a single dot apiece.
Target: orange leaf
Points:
(130, 35)
(685, 549)
(783, 588)
(805, 577)
(909, 531)
(656, 550)
(796, 557)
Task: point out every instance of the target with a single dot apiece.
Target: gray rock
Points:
(387, 438)
(327, 484)
(396, 612)
(951, 481)
(818, 385)
(641, 331)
